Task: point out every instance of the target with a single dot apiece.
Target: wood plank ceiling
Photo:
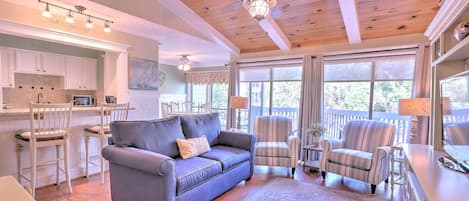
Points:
(315, 22)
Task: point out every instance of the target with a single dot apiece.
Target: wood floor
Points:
(92, 189)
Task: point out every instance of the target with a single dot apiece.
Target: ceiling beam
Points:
(193, 19)
(275, 33)
(348, 8)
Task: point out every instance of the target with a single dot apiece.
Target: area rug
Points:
(282, 189)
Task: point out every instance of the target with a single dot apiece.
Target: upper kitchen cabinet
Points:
(7, 67)
(32, 62)
(81, 73)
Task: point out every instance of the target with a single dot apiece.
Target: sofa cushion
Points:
(272, 149)
(157, 135)
(352, 158)
(195, 171)
(193, 146)
(228, 156)
(198, 125)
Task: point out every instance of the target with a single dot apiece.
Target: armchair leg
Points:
(293, 171)
(323, 173)
(386, 181)
(373, 188)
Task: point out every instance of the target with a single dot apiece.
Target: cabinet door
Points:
(7, 67)
(90, 74)
(73, 73)
(52, 64)
(27, 62)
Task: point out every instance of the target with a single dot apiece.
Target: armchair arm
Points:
(327, 146)
(138, 159)
(330, 144)
(293, 148)
(380, 167)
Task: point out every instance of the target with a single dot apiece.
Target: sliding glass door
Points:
(367, 89)
(271, 91)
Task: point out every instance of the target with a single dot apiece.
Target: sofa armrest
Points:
(239, 140)
(244, 141)
(142, 160)
(380, 168)
(293, 148)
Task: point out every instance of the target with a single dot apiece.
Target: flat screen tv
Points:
(455, 111)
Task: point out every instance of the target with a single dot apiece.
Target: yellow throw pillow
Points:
(193, 146)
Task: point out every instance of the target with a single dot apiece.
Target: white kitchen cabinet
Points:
(7, 67)
(27, 62)
(90, 74)
(53, 64)
(33, 62)
(81, 73)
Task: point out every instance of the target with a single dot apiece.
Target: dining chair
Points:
(49, 126)
(108, 113)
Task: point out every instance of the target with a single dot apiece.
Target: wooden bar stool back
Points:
(109, 113)
(49, 126)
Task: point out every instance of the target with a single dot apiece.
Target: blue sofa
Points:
(145, 163)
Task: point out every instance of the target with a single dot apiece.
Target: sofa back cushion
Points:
(158, 136)
(204, 124)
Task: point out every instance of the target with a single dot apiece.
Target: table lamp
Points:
(414, 107)
(238, 102)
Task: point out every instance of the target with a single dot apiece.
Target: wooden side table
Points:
(315, 162)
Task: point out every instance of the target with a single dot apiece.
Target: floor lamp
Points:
(414, 107)
(238, 102)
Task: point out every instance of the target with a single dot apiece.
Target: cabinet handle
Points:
(79, 86)
(11, 85)
(38, 70)
(43, 70)
(84, 87)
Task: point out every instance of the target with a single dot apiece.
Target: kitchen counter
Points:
(21, 113)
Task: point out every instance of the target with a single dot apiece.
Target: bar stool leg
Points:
(33, 168)
(57, 176)
(101, 143)
(67, 164)
(87, 159)
(19, 150)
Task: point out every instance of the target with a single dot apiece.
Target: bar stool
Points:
(49, 126)
(109, 113)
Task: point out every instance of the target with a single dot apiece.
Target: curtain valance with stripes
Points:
(208, 77)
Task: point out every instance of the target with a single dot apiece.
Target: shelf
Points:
(312, 164)
(459, 52)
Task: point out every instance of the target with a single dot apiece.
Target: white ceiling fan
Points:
(185, 63)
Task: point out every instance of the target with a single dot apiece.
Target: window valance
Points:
(208, 77)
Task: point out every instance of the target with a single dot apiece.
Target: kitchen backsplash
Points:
(27, 88)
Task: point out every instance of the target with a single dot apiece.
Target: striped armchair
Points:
(276, 144)
(364, 153)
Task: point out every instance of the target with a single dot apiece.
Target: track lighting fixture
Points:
(77, 12)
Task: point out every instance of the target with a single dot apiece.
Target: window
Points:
(271, 91)
(215, 95)
(367, 89)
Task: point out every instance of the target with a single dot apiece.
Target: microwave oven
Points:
(83, 100)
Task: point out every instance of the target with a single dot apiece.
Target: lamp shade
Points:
(238, 102)
(414, 106)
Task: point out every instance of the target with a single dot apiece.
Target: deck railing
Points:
(334, 120)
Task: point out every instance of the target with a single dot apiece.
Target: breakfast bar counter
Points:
(14, 119)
